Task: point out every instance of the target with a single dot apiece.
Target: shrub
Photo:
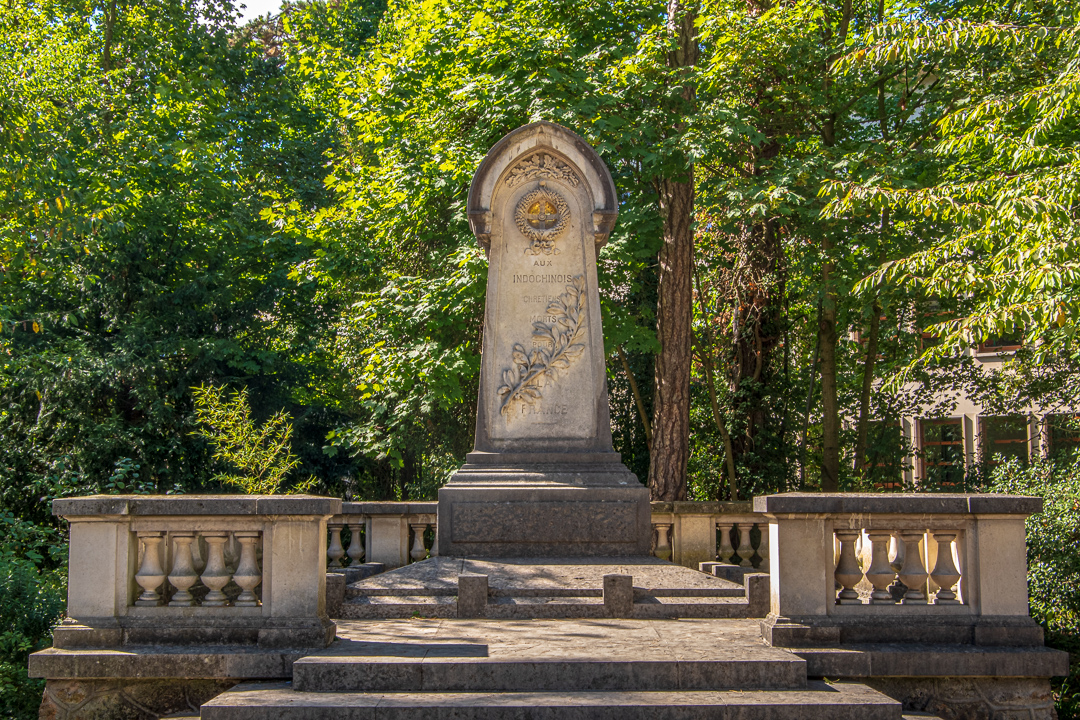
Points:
(1053, 538)
(32, 595)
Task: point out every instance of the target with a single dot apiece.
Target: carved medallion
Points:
(541, 165)
(541, 216)
(556, 345)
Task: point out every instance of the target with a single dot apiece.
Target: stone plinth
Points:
(543, 479)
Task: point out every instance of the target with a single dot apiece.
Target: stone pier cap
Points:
(897, 503)
(157, 505)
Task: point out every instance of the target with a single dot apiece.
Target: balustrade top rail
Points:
(696, 507)
(196, 505)
(389, 508)
(897, 504)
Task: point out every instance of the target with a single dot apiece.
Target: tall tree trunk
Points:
(110, 23)
(863, 425)
(830, 406)
(670, 449)
(812, 375)
(637, 396)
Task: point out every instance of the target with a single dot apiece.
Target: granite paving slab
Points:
(548, 576)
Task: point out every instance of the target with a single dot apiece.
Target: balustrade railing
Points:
(392, 534)
(864, 567)
(205, 569)
(691, 533)
(196, 569)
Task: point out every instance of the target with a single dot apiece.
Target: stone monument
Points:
(543, 479)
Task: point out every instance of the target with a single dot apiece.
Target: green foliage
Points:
(261, 457)
(1053, 539)
(32, 595)
(1009, 165)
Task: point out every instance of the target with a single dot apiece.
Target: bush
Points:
(1053, 538)
(32, 595)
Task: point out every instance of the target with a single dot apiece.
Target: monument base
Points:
(517, 505)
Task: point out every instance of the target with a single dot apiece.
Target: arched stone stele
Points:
(543, 478)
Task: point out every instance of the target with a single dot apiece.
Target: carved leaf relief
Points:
(557, 348)
(541, 165)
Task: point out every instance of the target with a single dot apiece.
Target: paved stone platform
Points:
(551, 588)
(548, 576)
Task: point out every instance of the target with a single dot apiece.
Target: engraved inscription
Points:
(555, 346)
(541, 165)
(541, 216)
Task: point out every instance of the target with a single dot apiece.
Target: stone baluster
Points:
(881, 573)
(897, 589)
(183, 574)
(334, 551)
(216, 576)
(763, 547)
(945, 574)
(663, 540)
(746, 551)
(198, 554)
(356, 544)
(248, 576)
(150, 574)
(231, 552)
(419, 550)
(848, 573)
(913, 574)
(726, 550)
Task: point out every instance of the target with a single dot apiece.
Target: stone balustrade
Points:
(390, 533)
(196, 569)
(898, 568)
(726, 533)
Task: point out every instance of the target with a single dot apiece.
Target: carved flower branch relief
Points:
(556, 346)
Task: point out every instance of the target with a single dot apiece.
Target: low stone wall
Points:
(972, 698)
(126, 699)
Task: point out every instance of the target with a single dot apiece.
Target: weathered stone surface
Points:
(543, 478)
(143, 505)
(821, 701)
(335, 593)
(907, 503)
(933, 660)
(126, 699)
(954, 628)
(158, 662)
(544, 655)
(619, 595)
(956, 698)
(472, 596)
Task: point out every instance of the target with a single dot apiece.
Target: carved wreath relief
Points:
(559, 347)
(541, 216)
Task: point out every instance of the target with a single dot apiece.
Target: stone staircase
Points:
(552, 670)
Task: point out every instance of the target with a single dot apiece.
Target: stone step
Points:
(690, 607)
(457, 667)
(639, 593)
(559, 606)
(819, 701)
(397, 607)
